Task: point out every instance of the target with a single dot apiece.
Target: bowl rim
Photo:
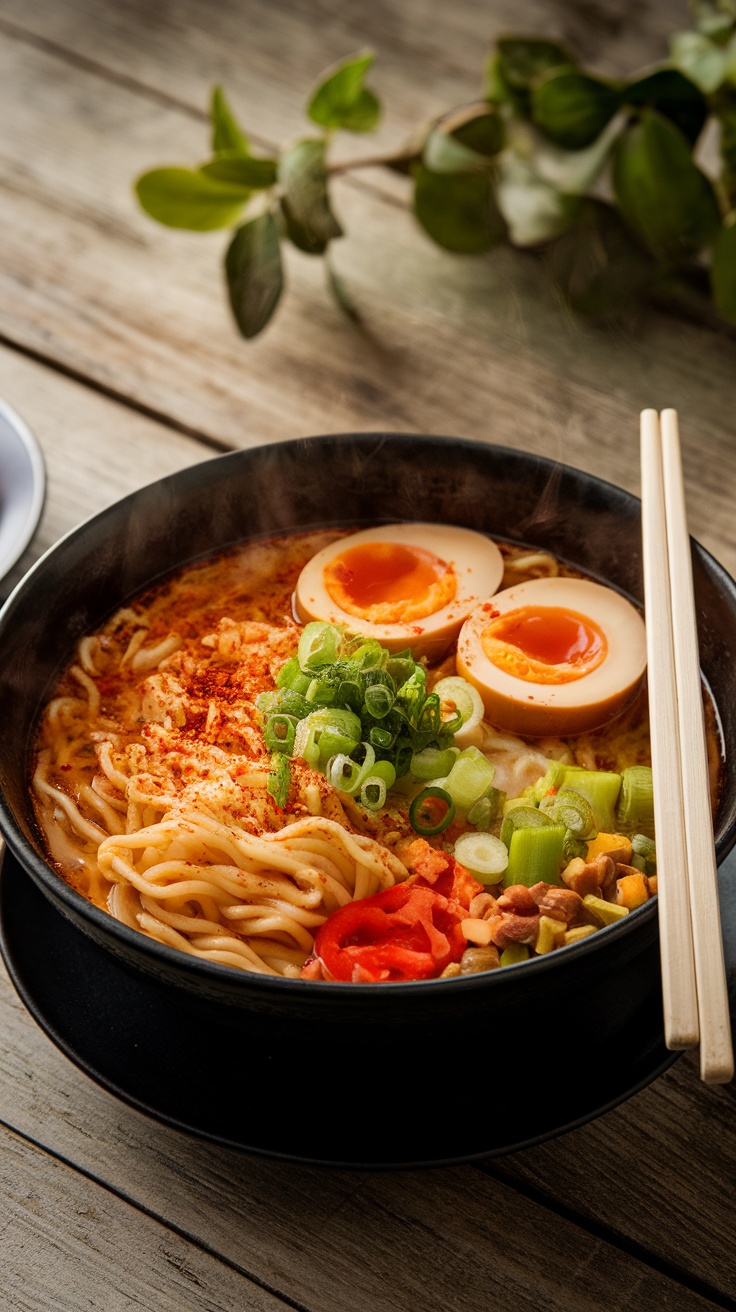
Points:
(205, 971)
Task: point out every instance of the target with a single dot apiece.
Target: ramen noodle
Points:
(153, 784)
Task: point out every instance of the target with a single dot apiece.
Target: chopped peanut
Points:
(517, 898)
(632, 891)
(588, 876)
(559, 903)
(602, 912)
(551, 933)
(613, 845)
(513, 929)
(476, 931)
(580, 932)
(475, 960)
(451, 971)
(483, 906)
(652, 882)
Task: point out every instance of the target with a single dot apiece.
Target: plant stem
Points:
(400, 163)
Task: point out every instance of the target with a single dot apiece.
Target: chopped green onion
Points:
(459, 700)
(367, 655)
(411, 695)
(486, 857)
(401, 666)
(324, 733)
(381, 738)
(432, 762)
(279, 733)
(423, 812)
(379, 699)
(485, 810)
(552, 779)
(573, 847)
(385, 771)
(636, 807)
(522, 817)
(320, 693)
(599, 787)
(571, 809)
(514, 953)
(290, 676)
(319, 645)
(516, 803)
(346, 774)
(373, 792)
(279, 777)
(402, 759)
(534, 855)
(470, 777)
(645, 851)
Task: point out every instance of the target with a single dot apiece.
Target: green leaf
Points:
(661, 193)
(342, 100)
(479, 128)
(226, 131)
(723, 273)
(243, 170)
(523, 60)
(337, 286)
(699, 59)
(571, 108)
(597, 265)
(185, 198)
(254, 275)
(310, 223)
(465, 140)
(458, 210)
(674, 95)
(534, 211)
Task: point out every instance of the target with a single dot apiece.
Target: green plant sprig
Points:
(600, 177)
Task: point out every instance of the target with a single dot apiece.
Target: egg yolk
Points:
(389, 582)
(544, 644)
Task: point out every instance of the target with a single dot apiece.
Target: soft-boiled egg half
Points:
(554, 656)
(408, 585)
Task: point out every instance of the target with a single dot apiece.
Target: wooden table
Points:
(116, 346)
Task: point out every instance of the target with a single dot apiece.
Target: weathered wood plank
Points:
(95, 450)
(453, 1240)
(665, 1167)
(70, 1244)
(430, 54)
(473, 346)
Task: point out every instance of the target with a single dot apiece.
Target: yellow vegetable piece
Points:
(632, 891)
(579, 932)
(550, 935)
(614, 845)
(605, 913)
(514, 953)
(476, 931)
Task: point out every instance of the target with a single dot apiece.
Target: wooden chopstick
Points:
(693, 972)
(716, 1047)
(678, 967)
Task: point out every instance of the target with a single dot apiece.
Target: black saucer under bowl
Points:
(199, 1067)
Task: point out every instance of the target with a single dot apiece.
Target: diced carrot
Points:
(614, 845)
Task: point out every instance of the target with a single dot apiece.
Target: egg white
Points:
(478, 566)
(587, 702)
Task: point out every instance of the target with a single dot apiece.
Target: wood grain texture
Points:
(95, 451)
(106, 1254)
(453, 1240)
(450, 344)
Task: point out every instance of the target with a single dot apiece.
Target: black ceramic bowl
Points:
(429, 1071)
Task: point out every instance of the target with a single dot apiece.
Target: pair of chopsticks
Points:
(693, 972)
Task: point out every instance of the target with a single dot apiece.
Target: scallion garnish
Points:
(431, 811)
(279, 777)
